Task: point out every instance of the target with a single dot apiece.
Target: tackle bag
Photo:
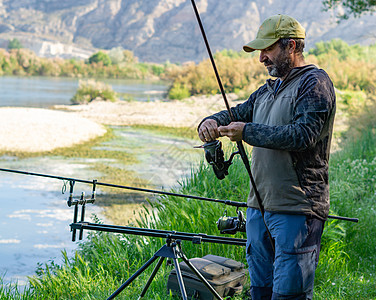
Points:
(225, 275)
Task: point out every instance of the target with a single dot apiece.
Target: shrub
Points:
(237, 72)
(100, 57)
(116, 55)
(178, 91)
(129, 57)
(90, 90)
(158, 69)
(342, 51)
(14, 44)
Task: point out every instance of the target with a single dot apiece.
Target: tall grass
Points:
(104, 261)
(348, 263)
(90, 90)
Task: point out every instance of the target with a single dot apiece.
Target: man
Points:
(289, 122)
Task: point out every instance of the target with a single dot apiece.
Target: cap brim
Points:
(259, 44)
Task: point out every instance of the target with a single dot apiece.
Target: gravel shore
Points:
(35, 129)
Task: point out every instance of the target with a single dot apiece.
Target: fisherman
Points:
(289, 123)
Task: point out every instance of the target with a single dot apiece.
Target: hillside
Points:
(161, 30)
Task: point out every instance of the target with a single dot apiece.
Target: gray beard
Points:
(281, 67)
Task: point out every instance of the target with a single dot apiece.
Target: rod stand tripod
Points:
(171, 250)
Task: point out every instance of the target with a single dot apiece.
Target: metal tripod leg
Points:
(133, 277)
(151, 277)
(183, 292)
(168, 250)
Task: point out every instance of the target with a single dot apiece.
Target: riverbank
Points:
(37, 130)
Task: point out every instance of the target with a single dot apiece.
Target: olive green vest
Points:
(273, 170)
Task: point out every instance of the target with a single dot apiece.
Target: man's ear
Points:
(292, 46)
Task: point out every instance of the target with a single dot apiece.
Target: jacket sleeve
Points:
(312, 109)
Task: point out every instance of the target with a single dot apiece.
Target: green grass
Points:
(184, 132)
(348, 265)
(104, 261)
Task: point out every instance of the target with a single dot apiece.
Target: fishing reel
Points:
(214, 155)
(231, 225)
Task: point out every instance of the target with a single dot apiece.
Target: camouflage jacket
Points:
(290, 129)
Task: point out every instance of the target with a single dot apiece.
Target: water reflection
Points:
(163, 159)
(34, 216)
(48, 91)
(34, 226)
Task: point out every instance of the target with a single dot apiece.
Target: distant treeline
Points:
(350, 67)
(117, 63)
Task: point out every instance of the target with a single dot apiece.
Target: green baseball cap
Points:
(273, 29)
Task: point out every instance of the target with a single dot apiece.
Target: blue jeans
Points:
(290, 272)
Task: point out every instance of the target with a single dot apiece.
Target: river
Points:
(48, 91)
(34, 214)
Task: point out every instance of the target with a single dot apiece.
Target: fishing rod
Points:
(73, 180)
(95, 183)
(239, 144)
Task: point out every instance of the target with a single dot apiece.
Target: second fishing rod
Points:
(226, 224)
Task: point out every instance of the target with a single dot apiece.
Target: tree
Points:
(129, 56)
(14, 44)
(100, 57)
(116, 55)
(352, 7)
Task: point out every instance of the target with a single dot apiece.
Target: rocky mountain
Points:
(162, 30)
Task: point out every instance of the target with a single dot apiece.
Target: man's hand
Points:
(234, 131)
(208, 131)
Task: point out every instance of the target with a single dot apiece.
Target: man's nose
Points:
(263, 57)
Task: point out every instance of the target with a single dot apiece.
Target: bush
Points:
(158, 70)
(116, 55)
(90, 90)
(342, 51)
(129, 57)
(100, 57)
(14, 44)
(178, 91)
(237, 72)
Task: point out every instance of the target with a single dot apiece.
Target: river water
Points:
(44, 92)
(34, 215)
